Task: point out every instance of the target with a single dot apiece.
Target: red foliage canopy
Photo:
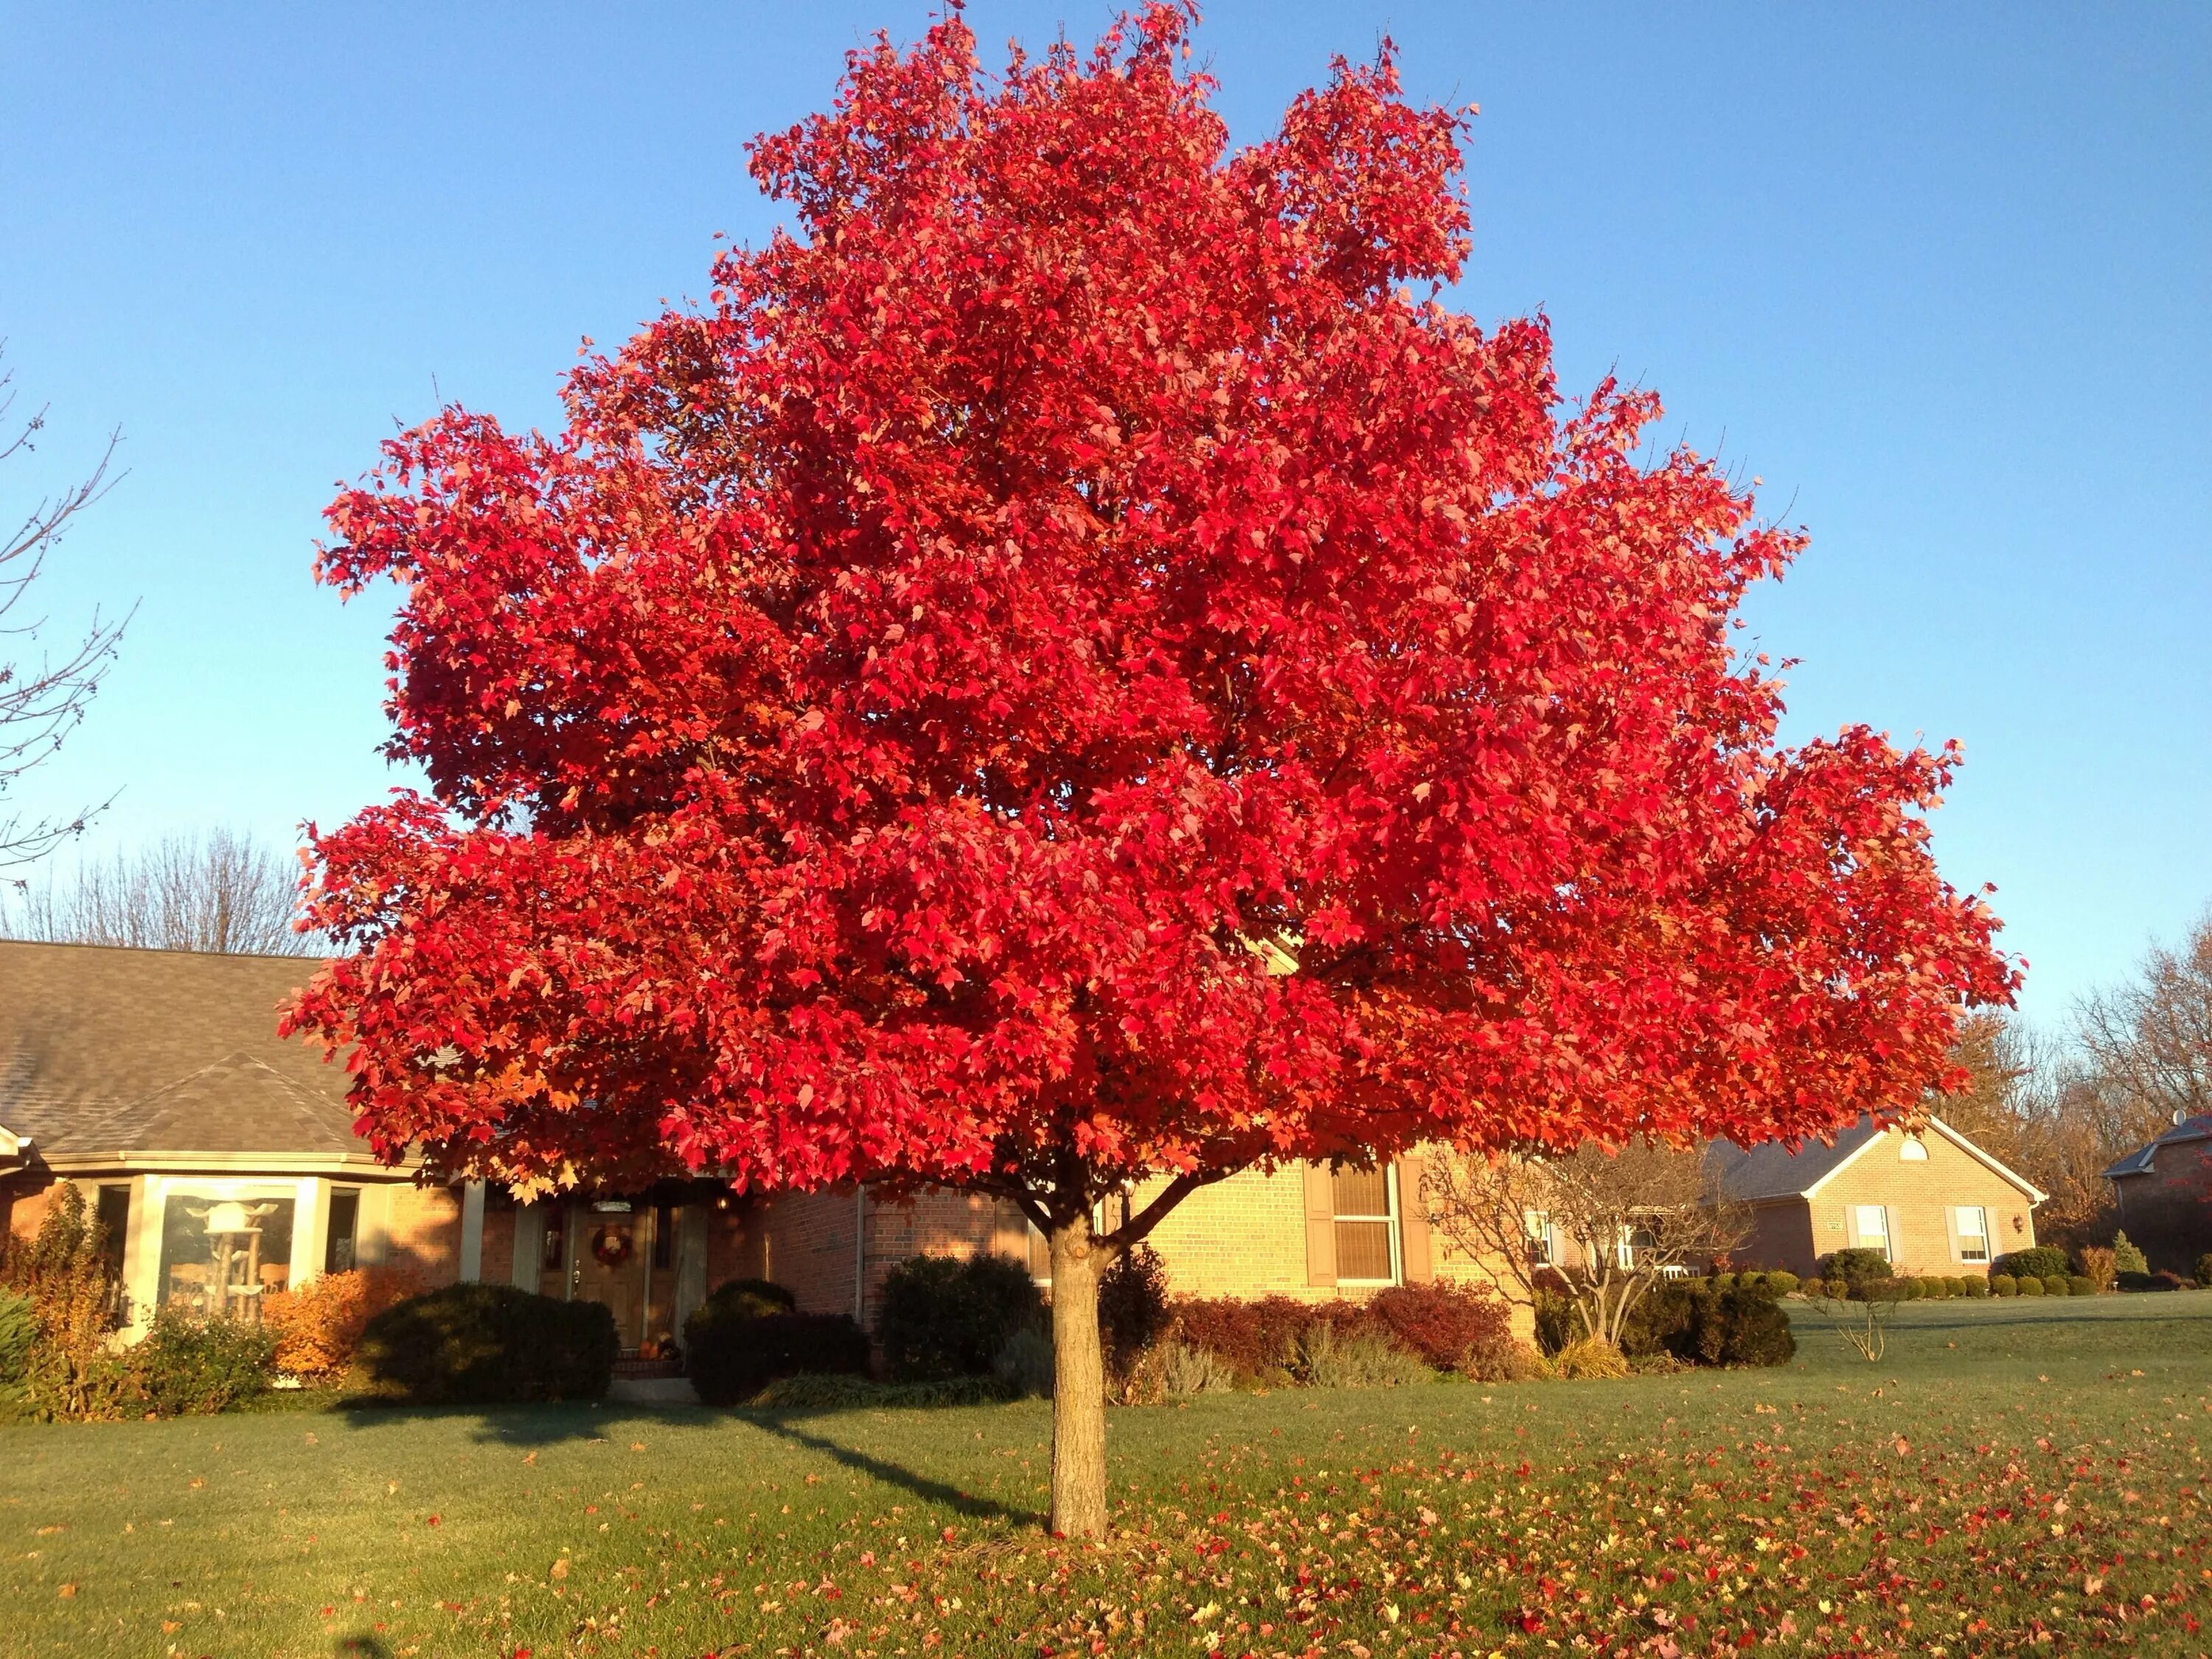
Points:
(1075, 665)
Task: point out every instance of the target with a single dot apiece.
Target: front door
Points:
(614, 1250)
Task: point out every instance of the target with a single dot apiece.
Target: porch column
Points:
(472, 1211)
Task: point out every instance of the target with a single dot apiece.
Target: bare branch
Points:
(226, 894)
(43, 694)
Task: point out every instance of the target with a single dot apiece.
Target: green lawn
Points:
(2013, 1476)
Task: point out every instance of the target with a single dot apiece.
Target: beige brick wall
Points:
(1917, 1195)
(423, 1230)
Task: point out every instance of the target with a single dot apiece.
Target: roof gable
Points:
(1771, 1171)
(2140, 1161)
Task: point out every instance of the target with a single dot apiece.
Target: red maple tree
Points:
(1075, 669)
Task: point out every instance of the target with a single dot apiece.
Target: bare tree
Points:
(43, 694)
(2150, 1041)
(1604, 1224)
(228, 893)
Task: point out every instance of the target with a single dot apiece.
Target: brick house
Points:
(2163, 1193)
(223, 1162)
(1930, 1199)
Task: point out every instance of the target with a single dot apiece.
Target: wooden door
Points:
(614, 1251)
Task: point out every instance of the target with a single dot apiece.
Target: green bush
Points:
(2081, 1284)
(19, 1328)
(2126, 1258)
(2030, 1284)
(2204, 1271)
(2003, 1284)
(1835, 1289)
(186, 1366)
(1025, 1364)
(1721, 1281)
(1557, 1324)
(846, 1392)
(942, 1317)
(2160, 1281)
(475, 1344)
(2056, 1285)
(749, 1298)
(1692, 1323)
(1977, 1286)
(1132, 1306)
(2044, 1261)
(1911, 1289)
(1329, 1358)
(1960, 1284)
(1780, 1283)
(1859, 1267)
(731, 1354)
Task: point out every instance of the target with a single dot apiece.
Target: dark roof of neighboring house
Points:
(2139, 1161)
(105, 1050)
(1771, 1171)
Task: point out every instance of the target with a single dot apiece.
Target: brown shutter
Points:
(1320, 1225)
(1413, 1222)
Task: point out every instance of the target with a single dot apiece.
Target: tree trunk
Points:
(1079, 1384)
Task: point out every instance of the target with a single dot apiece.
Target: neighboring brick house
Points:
(1930, 1199)
(2163, 1193)
(223, 1162)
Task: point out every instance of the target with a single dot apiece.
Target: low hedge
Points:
(2204, 1270)
(477, 1343)
(2003, 1284)
(2157, 1281)
(189, 1367)
(2081, 1284)
(731, 1355)
(2043, 1262)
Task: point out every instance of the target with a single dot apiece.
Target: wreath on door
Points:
(611, 1246)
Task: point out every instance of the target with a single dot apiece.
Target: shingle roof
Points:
(110, 1050)
(2139, 1161)
(1771, 1170)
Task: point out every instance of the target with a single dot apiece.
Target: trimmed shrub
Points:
(477, 1343)
(1911, 1289)
(750, 1298)
(1556, 1324)
(942, 1317)
(1858, 1266)
(19, 1328)
(2003, 1284)
(1133, 1307)
(2157, 1281)
(1025, 1364)
(2081, 1284)
(191, 1367)
(2204, 1271)
(318, 1327)
(1782, 1283)
(731, 1353)
(1258, 1341)
(1689, 1321)
(2056, 1285)
(2044, 1261)
(1452, 1327)
(1721, 1281)
(1978, 1287)
(2126, 1258)
(2030, 1284)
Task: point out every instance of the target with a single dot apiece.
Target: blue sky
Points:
(1941, 276)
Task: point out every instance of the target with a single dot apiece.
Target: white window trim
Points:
(1959, 1212)
(1390, 1231)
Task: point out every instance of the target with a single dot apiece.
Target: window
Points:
(553, 1258)
(664, 1237)
(114, 1216)
(1971, 1224)
(1541, 1253)
(1873, 1223)
(221, 1255)
(1912, 1150)
(341, 1246)
(1367, 1226)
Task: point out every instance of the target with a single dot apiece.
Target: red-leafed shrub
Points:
(1258, 1341)
(318, 1326)
(1452, 1326)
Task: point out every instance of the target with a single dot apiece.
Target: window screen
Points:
(1364, 1225)
(1874, 1228)
(1973, 1227)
